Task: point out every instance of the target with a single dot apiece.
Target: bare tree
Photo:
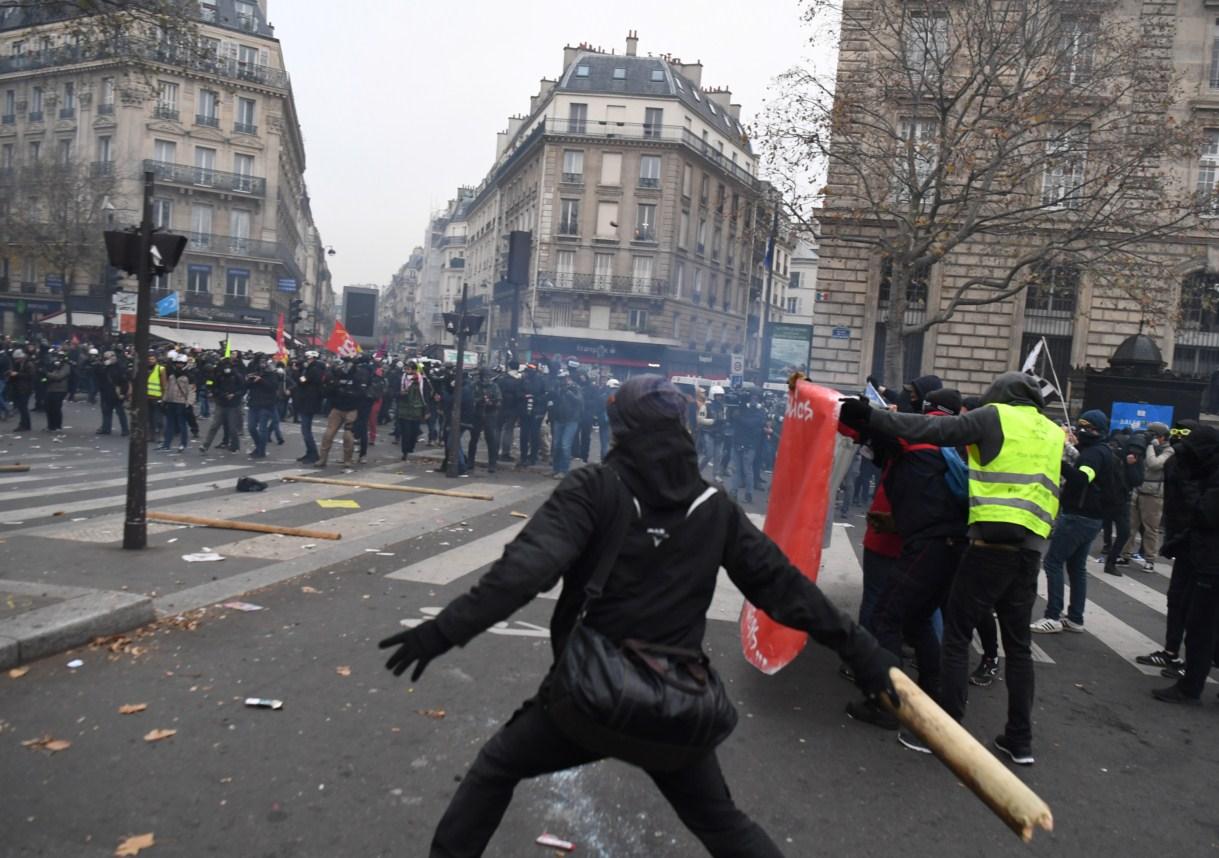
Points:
(1037, 130)
(56, 213)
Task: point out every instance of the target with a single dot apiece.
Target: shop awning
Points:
(79, 320)
(207, 339)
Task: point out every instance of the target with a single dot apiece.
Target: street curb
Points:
(76, 621)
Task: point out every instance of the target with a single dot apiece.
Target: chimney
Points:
(632, 43)
(569, 55)
(691, 71)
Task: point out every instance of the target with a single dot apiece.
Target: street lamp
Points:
(317, 293)
(460, 325)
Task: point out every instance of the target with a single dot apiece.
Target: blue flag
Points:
(168, 305)
(874, 396)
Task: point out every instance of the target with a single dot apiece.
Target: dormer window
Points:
(619, 74)
(696, 95)
(658, 74)
(712, 106)
(581, 71)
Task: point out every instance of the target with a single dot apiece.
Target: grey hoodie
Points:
(980, 427)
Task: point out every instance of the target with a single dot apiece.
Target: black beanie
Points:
(945, 399)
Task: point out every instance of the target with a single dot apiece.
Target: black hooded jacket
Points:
(681, 532)
(1198, 460)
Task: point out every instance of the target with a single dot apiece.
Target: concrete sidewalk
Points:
(37, 620)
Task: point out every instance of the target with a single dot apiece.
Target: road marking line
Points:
(1140, 592)
(1123, 639)
(448, 566)
(82, 487)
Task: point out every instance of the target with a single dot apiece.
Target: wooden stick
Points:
(14, 469)
(980, 770)
(356, 484)
(225, 524)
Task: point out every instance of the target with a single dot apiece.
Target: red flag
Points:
(341, 343)
(798, 514)
(281, 354)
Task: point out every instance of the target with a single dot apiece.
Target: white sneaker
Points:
(1149, 566)
(1069, 626)
(1046, 626)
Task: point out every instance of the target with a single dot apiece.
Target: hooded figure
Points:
(914, 393)
(1197, 458)
(679, 531)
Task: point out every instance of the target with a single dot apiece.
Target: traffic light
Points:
(114, 279)
(123, 250)
(296, 310)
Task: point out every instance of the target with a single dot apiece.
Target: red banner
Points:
(341, 343)
(797, 513)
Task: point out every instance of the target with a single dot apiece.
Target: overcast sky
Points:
(400, 100)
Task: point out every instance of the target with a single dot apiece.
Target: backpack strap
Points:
(613, 506)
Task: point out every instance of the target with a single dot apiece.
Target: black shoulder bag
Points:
(658, 707)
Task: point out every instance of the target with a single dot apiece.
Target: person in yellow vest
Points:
(156, 392)
(1015, 460)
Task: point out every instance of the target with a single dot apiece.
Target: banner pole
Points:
(1062, 394)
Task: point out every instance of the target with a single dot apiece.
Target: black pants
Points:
(988, 635)
(361, 428)
(111, 407)
(530, 745)
(484, 426)
(408, 435)
(584, 439)
(1005, 582)
(920, 588)
(1121, 525)
(54, 406)
(507, 422)
(1201, 627)
(1180, 591)
(531, 439)
(22, 403)
(224, 417)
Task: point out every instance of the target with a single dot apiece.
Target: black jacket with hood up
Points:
(1198, 460)
(660, 588)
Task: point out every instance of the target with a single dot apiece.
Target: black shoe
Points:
(101, 432)
(1173, 672)
(491, 469)
(1122, 561)
(1111, 569)
(1160, 658)
(985, 673)
(748, 497)
(846, 673)
(506, 459)
(871, 713)
(1019, 756)
(913, 742)
(1174, 694)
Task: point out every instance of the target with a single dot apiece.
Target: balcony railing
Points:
(105, 109)
(605, 129)
(231, 245)
(3, 284)
(645, 182)
(136, 49)
(67, 113)
(209, 121)
(601, 284)
(645, 233)
(236, 300)
(28, 287)
(35, 116)
(102, 168)
(197, 299)
(161, 111)
(244, 128)
(8, 119)
(572, 178)
(204, 177)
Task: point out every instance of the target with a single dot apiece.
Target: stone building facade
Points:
(649, 224)
(1082, 319)
(216, 124)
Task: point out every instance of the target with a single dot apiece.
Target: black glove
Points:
(421, 644)
(855, 411)
(872, 675)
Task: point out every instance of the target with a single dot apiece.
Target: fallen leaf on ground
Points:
(310, 590)
(46, 743)
(434, 714)
(132, 708)
(158, 735)
(56, 513)
(133, 845)
(343, 670)
(18, 672)
(518, 515)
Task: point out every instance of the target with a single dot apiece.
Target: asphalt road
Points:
(358, 763)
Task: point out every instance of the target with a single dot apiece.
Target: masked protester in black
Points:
(1198, 460)
(660, 587)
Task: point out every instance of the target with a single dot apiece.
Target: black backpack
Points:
(1111, 487)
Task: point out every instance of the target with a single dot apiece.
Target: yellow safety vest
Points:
(1020, 485)
(154, 382)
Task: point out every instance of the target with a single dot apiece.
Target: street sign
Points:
(54, 283)
(1136, 415)
(286, 284)
(841, 333)
(737, 381)
(738, 365)
(125, 306)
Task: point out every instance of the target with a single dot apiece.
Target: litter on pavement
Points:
(204, 557)
(555, 842)
(75, 663)
(242, 606)
(260, 703)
